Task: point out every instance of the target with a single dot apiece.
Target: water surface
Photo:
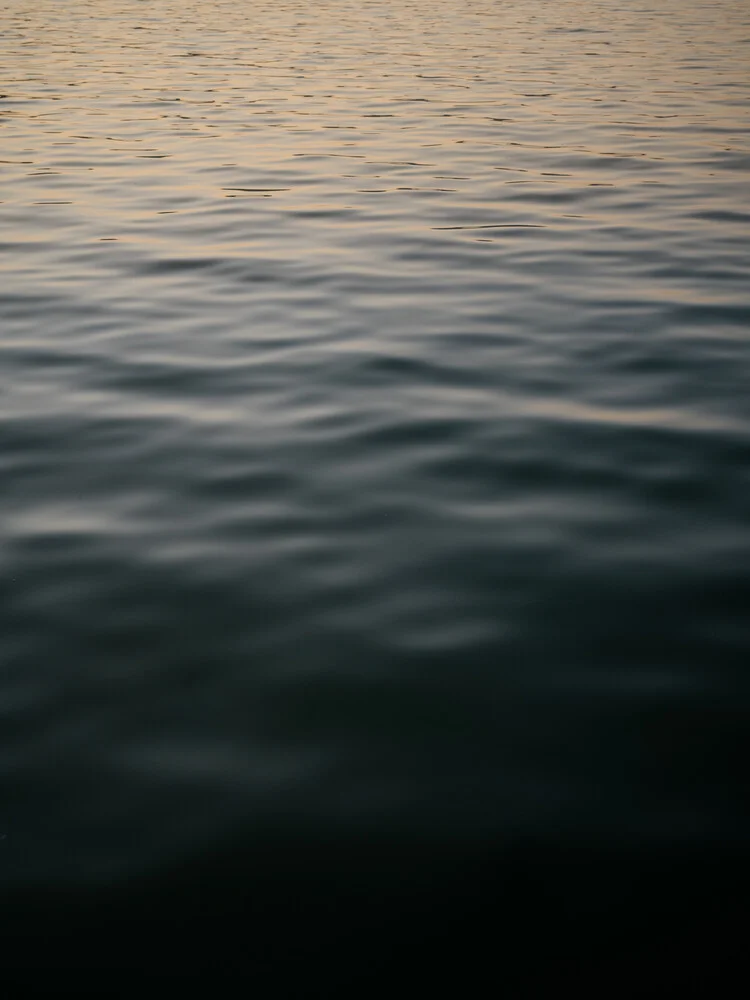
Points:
(375, 426)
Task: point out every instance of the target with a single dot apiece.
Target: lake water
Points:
(374, 437)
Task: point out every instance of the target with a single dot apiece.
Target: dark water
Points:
(375, 450)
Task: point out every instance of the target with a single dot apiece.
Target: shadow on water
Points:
(314, 913)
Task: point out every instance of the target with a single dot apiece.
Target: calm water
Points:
(374, 427)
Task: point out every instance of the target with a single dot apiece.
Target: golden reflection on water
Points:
(149, 95)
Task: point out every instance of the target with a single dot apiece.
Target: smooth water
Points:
(374, 428)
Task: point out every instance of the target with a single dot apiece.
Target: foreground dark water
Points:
(375, 449)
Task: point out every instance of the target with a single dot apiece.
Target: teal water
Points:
(374, 429)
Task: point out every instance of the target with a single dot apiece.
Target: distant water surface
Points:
(374, 426)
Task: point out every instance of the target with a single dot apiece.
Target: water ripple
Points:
(375, 430)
